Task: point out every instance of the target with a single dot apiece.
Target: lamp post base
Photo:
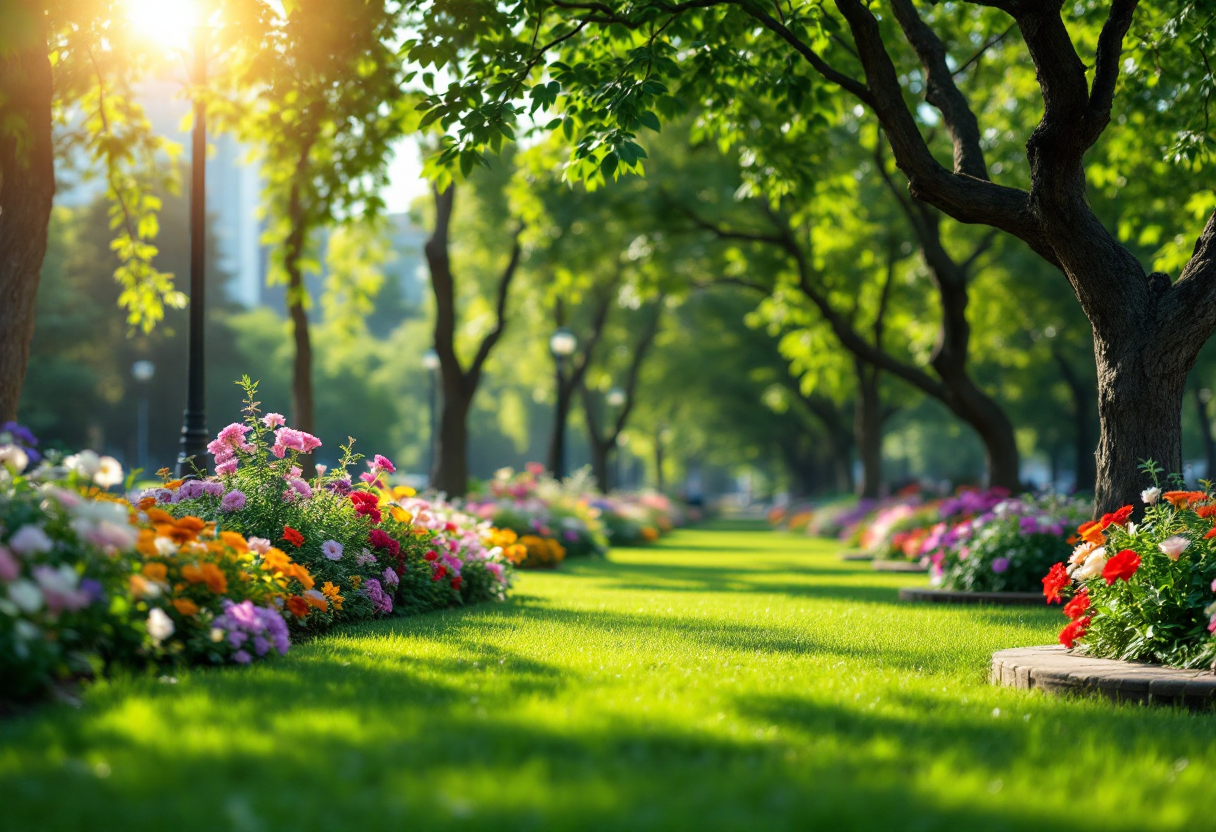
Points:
(193, 445)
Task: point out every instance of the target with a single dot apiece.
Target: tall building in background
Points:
(234, 188)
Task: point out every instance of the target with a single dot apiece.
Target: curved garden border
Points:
(856, 554)
(899, 566)
(954, 596)
(1055, 670)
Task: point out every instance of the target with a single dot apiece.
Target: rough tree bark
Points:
(450, 471)
(27, 187)
(604, 441)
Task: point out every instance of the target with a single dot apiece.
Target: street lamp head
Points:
(142, 371)
(430, 361)
(563, 343)
(1205, 395)
(616, 397)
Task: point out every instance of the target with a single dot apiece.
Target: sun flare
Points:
(166, 22)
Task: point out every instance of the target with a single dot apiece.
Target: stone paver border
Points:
(856, 554)
(899, 566)
(1055, 670)
(954, 596)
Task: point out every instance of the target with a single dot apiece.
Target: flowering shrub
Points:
(530, 503)
(219, 569)
(1143, 591)
(636, 519)
(1007, 548)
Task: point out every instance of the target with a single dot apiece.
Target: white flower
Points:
(14, 458)
(1093, 565)
(25, 631)
(109, 472)
(26, 595)
(160, 626)
(85, 463)
(1080, 553)
(217, 635)
(29, 540)
(1174, 546)
(165, 547)
(1150, 496)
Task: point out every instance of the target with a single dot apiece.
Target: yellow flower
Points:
(331, 592)
(402, 492)
(400, 515)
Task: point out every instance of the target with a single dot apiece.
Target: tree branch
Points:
(500, 312)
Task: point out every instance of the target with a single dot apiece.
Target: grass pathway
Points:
(729, 678)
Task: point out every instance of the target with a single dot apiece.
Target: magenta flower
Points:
(384, 463)
(1000, 565)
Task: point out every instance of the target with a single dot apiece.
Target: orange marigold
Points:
(313, 601)
(185, 606)
(297, 606)
(332, 593)
(1182, 499)
(155, 571)
(208, 574)
(235, 541)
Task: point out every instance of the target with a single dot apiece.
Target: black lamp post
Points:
(430, 362)
(562, 344)
(194, 426)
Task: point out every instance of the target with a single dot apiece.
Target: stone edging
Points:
(953, 596)
(856, 554)
(899, 566)
(1056, 670)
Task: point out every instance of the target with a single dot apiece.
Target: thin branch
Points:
(979, 53)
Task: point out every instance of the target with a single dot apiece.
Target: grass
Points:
(729, 678)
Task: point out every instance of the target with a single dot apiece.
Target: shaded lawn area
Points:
(725, 679)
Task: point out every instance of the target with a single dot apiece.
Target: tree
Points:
(459, 383)
(809, 55)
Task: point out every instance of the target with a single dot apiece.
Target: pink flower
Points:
(321, 469)
(295, 472)
(272, 420)
(234, 500)
(259, 544)
(384, 463)
(226, 468)
(332, 549)
(1174, 546)
(302, 488)
(496, 570)
(390, 577)
(535, 469)
(9, 568)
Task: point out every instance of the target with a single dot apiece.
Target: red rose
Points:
(1078, 606)
(440, 571)
(378, 539)
(1055, 580)
(456, 583)
(1122, 565)
(1074, 631)
(367, 505)
(293, 537)
(432, 555)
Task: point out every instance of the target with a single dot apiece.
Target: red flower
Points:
(367, 504)
(1117, 518)
(456, 583)
(297, 606)
(1077, 607)
(1210, 534)
(440, 571)
(1122, 565)
(1074, 631)
(432, 555)
(1056, 580)
(293, 537)
(378, 539)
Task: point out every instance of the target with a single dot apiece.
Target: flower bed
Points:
(1006, 548)
(1143, 591)
(224, 569)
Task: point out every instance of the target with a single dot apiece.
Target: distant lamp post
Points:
(562, 343)
(616, 399)
(142, 372)
(430, 363)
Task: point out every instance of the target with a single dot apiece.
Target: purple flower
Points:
(1000, 565)
(241, 657)
(301, 488)
(92, 589)
(1028, 525)
(332, 549)
(367, 557)
(23, 436)
(376, 594)
(213, 489)
(339, 487)
(190, 490)
(232, 501)
(570, 535)
(390, 577)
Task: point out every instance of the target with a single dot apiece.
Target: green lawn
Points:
(730, 678)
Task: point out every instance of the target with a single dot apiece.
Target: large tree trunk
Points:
(599, 466)
(867, 430)
(840, 439)
(301, 367)
(451, 472)
(27, 188)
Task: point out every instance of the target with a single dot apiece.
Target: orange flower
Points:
(313, 601)
(1091, 532)
(209, 574)
(234, 541)
(180, 531)
(155, 571)
(1206, 512)
(1182, 499)
(142, 588)
(297, 606)
(174, 484)
(356, 581)
(146, 503)
(650, 535)
(185, 606)
(331, 592)
(301, 574)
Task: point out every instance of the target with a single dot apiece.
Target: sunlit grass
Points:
(723, 680)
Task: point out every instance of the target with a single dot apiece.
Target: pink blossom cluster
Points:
(379, 466)
(291, 439)
(224, 447)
